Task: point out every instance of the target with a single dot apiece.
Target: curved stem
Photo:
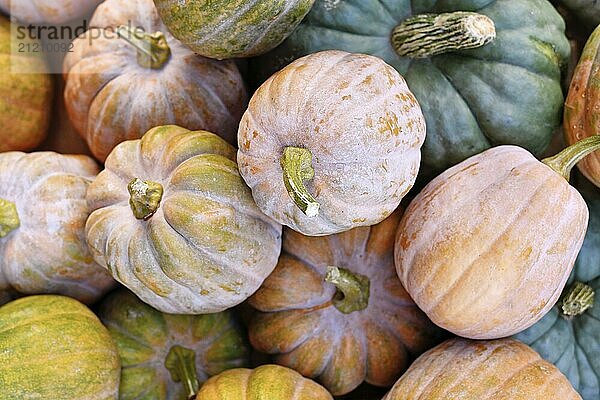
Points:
(576, 300)
(9, 217)
(427, 35)
(181, 363)
(564, 161)
(297, 168)
(352, 289)
(145, 197)
(152, 49)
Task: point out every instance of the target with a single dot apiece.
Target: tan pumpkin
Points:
(42, 218)
(345, 324)
(503, 369)
(331, 142)
(50, 11)
(116, 92)
(486, 248)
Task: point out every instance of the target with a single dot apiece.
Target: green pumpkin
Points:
(587, 11)
(53, 347)
(158, 351)
(504, 92)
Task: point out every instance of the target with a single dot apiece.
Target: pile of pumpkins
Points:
(302, 199)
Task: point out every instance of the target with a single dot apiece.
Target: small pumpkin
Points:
(271, 382)
(482, 370)
(331, 142)
(42, 218)
(49, 11)
(116, 91)
(173, 221)
(486, 248)
(53, 347)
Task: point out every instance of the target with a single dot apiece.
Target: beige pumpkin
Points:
(115, 92)
(42, 218)
(50, 11)
(331, 142)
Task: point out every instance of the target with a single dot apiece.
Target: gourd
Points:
(587, 11)
(331, 142)
(43, 212)
(486, 248)
(26, 94)
(271, 382)
(53, 347)
(167, 356)
(173, 221)
(49, 11)
(507, 91)
(482, 370)
(128, 74)
(228, 29)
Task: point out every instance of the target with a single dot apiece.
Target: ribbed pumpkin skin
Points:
(48, 253)
(488, 370)
(486, 248)
(110, 98)
(362, 125)
(232, 28)
(53, 347)
(271, 382)
(207, 247)
(26, 99)
(144, 337)
(50, 11)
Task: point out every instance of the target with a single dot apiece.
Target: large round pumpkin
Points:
(487, 370)
(173, 221)
(50, 11)
(53, 347)
(331, 142)
(505, 92)
(43, 211)
(115, 91)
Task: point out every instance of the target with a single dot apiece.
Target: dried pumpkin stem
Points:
(181, 363)
(152, 49)
(352, 289)
(145, 197)
(576, 300)
(427, 35)
(564, 161)
(9, 217)
(297, 168)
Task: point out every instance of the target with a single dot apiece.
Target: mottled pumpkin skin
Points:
(111, 98)
(26, 100)
(232, 28)
(299, 323)
(271, 382)
(207, 247)
(53, 347)
(361, 123)
(50, 11)
(503, 369)
(486, 248)
(47, 253)
(144, 337)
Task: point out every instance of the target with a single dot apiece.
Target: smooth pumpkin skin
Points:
(53, 347)
(232, 28)
(267, 382)
(503, 369)
(207, 247)
(26, 100)
(110, 98)
(50, 11)
(486, 248)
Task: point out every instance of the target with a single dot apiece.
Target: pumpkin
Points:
(271, 382)
(331, 142)
(49, 11)
(166, 356)
(232, 28)
(53, 347)
(43, 212)
(127, 74)
(486, 248)
(350, 320)
(26, 94)
(173, 221)
(507, 91)
(484, 370)
(587, 11)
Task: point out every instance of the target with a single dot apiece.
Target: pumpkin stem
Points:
(427, 35)
(145, 197)
(181, 363)
(352, 289)
(564, 161)
(9, 218)
(297, 167)
(152, 49)
(576, 300)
